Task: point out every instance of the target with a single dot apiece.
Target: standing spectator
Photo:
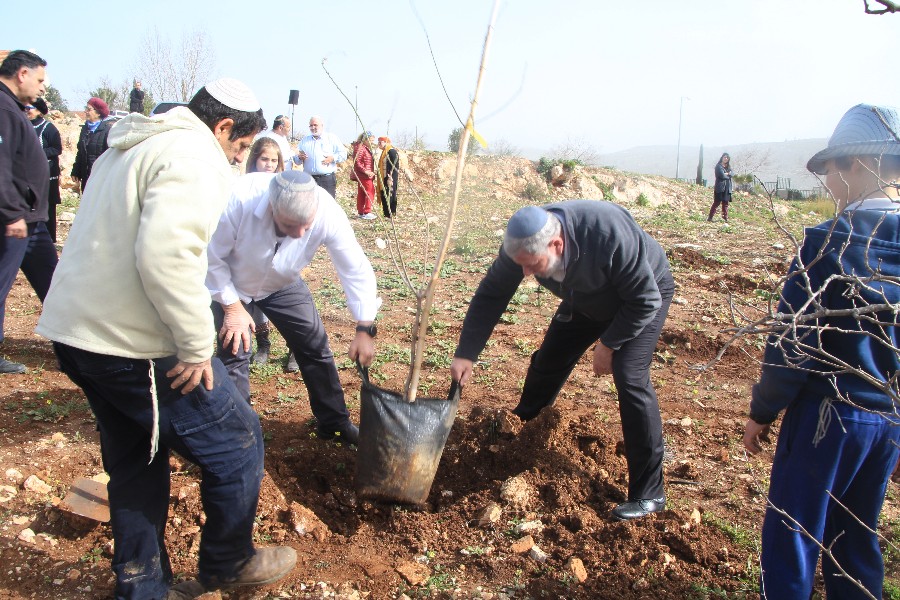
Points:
(321, 152)
(723, 189)
(52, 145)
(129, 316)
(616, 287)
(92, 139)
(388, 176)
(364, 173)
(834, 376)
(136, 98)
(281, 129)
(271, 229)
(24, 179)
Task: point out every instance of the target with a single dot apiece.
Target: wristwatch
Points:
(370, 329)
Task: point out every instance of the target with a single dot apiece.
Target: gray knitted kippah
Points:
(295, 181)
(526, 222)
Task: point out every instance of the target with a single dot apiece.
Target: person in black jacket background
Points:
(136, 98)
(92, 139)
(52, 145)
(24, 178)
(723, 189)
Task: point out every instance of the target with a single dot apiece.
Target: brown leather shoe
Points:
(266, 566)
(186, 590)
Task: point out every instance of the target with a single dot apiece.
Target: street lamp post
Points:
(678, 151)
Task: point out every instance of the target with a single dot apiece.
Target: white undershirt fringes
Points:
(154, 399)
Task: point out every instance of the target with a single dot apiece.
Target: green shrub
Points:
(534, 192)
(642, 200)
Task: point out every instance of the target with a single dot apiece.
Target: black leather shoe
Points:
(638, 508)
(348, 434)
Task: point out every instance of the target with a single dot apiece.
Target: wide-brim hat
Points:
(864, 130)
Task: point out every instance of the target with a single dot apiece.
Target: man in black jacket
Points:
(24, 179)
(136, 98)
(616, 287)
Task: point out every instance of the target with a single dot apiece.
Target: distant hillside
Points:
(785, 159)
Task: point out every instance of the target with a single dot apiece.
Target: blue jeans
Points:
(293, 313)
(216, 430)
(564, 343)
(35, 255)
(854, 462)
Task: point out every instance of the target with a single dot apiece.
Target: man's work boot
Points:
(292, 366)
(8, 366)
(186, 590)
(263, 345)
(267, 565)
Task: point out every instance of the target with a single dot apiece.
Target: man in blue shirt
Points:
(321, 152)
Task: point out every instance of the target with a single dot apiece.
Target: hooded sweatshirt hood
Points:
(136, 128)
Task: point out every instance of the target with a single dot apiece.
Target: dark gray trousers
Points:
(293, 313)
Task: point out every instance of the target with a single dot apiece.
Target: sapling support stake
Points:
(425, 297)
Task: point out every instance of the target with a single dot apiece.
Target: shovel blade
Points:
(87, 498)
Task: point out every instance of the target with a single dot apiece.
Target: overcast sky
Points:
(612, 74)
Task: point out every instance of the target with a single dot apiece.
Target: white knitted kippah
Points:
(233, 94)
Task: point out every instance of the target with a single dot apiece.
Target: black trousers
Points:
(293, 313)
(551, 364)
(327, 182)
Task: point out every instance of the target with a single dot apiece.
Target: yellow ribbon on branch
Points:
(471, 129)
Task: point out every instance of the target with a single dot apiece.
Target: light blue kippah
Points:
(526, 222)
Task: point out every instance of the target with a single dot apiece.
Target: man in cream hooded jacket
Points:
(129, 316)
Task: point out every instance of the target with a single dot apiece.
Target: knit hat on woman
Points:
(100, 106)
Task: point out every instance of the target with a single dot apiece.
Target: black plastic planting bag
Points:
(400, 443)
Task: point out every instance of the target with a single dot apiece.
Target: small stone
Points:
(530, 527)
(778, 246)
(537, 554)
(667, 559)
(679, 300)
(522, 545)
(15, 475)
(36, 485)
(575, 566)
(686, 422)
(20, 520)
(27, 536)
(517, 492)
(58, 437)
(304, 521)
(696, 517)
(73, 575)
(414, 573)
(641, 584)
(489, 515)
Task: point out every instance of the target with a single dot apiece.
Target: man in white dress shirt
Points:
(281, 129)
(271, 229)
(321, 152)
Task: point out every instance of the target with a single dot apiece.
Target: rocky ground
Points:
(515, 511)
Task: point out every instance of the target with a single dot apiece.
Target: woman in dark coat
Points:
(722, 194)
(52, 145)
(92, 140)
